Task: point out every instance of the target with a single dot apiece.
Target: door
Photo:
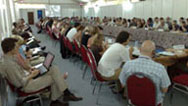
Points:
(30, 16)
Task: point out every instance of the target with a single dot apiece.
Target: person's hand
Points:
(35, 72)
(131, 49)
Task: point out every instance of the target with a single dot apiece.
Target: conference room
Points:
(93, 53)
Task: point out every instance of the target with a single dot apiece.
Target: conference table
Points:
(165, 40)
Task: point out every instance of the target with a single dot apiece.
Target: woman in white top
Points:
(114, 57)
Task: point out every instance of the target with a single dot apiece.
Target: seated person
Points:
(110, 63)
(163, 26)
(33, 44)
(183, 27)
(21, 55)
(98, 47)
(16, 75)
(16, 30)
(73, 31)
(156, 23)
(174, 26)
(55, 30)
(94, 32)
(86, 35)
(145, 65)
(78, 35)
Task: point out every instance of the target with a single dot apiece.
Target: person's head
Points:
(81, 28)
(19, 38)
(55, 22)
(15, 24)
(150, 20)
(94, 30)
(77, 25)
(156, 19)
(25, 36)
(148, 48)
(123, 38)
(9, 46)
(181, 20)
(168, 19)
(174, 22)
(99, 39)
(183, 23)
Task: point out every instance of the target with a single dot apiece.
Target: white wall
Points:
(69, 11)
(24, 12)
(48, 1)
(5, 18)
(148, 8)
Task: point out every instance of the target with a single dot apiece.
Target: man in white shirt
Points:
(73, 31)
(156, 23)
(114, 57)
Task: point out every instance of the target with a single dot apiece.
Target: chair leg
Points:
(100, 87)
(41, 102)
(94, 87)
(91, 82)
(85, 69)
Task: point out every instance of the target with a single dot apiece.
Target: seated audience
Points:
(78, 35)
(94, 32)
(55, 30)
(183, 27)
(16, 29)
(162, 26)
(114, 57)
(156, 23)
(175, 26)
(28, 83)
(145, 65)
(87, 33)
(169, 23)
(73, 31)
(149, 23)
(98, 47)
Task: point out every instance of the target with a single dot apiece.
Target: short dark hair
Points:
(122, 37)
(76, 24)
(8, 44)
(25, 36)
(14, 24)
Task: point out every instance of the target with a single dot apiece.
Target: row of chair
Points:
(134, 90)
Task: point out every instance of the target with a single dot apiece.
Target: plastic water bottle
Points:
(136, 44)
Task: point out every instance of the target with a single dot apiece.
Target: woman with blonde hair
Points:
(94, 33)
(87, 33)
(98, 47)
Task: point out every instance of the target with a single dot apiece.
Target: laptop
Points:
(44, 67)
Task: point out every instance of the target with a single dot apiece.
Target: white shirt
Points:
(112, 59)
(156, 25)
(71, 34)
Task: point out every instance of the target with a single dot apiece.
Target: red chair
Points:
(96, 76)
(50, 33)
(181, 83)
(27, 97)
(141, 91)
(77, 47)
(70, 46)
(65, 41)
(84, 55)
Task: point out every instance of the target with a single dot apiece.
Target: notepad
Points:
(165, 53)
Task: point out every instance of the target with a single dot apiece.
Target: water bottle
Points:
(136, 44)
